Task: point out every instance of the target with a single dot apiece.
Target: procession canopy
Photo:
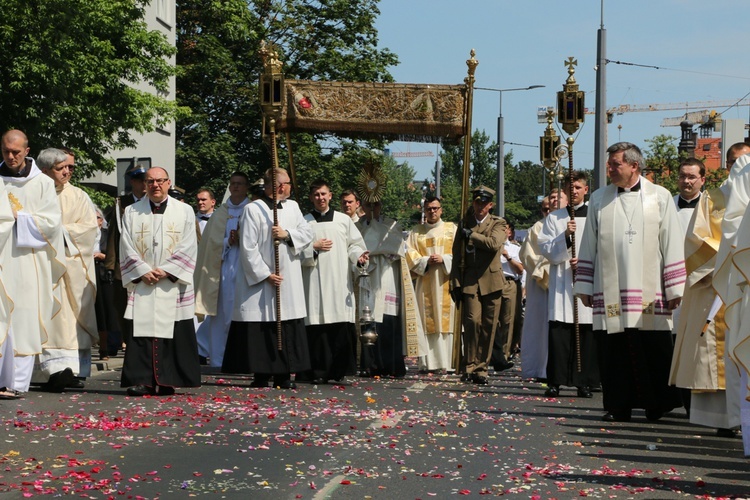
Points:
(368, 110)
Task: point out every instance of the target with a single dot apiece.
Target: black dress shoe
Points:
(726, 433)
(654, 415)
(77, 383)
(259, 382)
(552, 391)
(617, 416)
(140, 390)
(465, 377)
(165, 391)
(504, 366)
(584, 392)
(479, 379)
(318, 381)
(59, 381)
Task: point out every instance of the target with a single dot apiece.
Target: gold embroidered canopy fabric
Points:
(366, 110)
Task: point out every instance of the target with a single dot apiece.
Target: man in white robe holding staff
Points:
(253, 342)
(157, 260)
(631, 270)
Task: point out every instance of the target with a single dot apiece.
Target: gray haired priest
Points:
(631, 270)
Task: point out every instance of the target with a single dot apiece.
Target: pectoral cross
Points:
(630, 232)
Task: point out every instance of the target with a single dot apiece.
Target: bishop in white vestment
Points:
(631, 270)
(429, 255)
(157, 260)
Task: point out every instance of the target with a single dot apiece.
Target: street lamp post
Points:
(500, 205)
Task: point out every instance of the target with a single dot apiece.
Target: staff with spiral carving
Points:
(252, 346)
(572, 356)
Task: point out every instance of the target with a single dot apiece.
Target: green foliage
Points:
(69, 63)
(218, 44)
(483, 161)
(663, 160)
(100, 198)
(523, 182)
(402, 197)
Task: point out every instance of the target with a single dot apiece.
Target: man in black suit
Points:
(136, 177)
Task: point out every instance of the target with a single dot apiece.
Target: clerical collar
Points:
(158, 208)
(433, 225)
(581, 210)
(683, 203)
(637, 187)
(323, 217)
(268, 201)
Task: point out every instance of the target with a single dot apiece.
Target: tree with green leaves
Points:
(75, 72)
(218, 42)
(663, 161)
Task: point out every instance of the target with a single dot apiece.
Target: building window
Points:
(164, 10)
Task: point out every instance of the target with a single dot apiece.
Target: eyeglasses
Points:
(432, 209)
(151, 182)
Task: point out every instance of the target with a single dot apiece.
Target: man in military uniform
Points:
(478, 284)
(136, 176)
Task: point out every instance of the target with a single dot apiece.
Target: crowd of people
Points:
(254, 286)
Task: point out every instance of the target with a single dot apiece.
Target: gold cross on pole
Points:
(571, 62)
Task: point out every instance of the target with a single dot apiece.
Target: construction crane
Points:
(410, 154)
(702, 117)
(635, 108)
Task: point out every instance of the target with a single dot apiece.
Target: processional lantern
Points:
(548, 143)
(570, 101)
(271, 83)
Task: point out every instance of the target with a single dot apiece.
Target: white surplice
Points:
(255, 296)
(553, 246)
(166, 241)
(630, 263)
(327, 277)
(535, 337)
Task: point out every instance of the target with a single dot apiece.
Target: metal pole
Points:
(438, 168)
(600, 130)
(500, 209)
(500, 191)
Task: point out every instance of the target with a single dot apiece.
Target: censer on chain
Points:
(368, 333)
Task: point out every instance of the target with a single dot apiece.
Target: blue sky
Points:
(525, 42)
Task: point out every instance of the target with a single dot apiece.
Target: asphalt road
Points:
(421, 437)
